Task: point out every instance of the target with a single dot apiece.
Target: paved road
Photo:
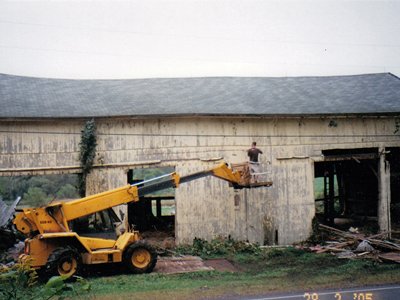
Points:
(389, 292)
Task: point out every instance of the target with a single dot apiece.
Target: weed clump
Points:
(317, 236)
(219, 247)
(20, 281)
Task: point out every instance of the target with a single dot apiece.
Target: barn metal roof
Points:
(28, 97)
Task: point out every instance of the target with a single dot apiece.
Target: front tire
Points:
(63, 262)
(140, 258)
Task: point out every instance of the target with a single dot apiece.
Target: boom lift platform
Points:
(55, 247)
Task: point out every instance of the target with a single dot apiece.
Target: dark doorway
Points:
(154, 214)
(346, 188)
(393, 156)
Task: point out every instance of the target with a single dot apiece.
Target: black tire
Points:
(64, 262)
(140, 258)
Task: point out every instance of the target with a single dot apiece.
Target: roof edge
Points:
(196, 115)
(193, 77)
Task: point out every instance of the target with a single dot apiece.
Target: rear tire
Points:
(140, 258)
(63, 262)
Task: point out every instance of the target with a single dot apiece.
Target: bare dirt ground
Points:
(184, 264)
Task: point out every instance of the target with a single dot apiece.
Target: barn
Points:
(338, 133)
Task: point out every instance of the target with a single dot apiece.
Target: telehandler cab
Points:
(58, 245)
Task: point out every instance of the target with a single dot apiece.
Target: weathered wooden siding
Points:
(39, 145)
(206, 207)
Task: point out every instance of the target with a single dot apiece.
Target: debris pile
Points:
(7, 233)
(352, 244)
(10, 247)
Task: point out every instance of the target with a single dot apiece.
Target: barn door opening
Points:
(347, 188)
(393, 156)
(154, 214)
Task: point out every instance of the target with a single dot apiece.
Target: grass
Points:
(271, 270)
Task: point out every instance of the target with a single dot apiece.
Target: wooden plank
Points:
(390, 256)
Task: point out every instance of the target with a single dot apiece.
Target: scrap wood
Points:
(363, 253)
(379, 235)
(344, 244)
(333, 249)
(340, 233)
(390, 256)
(346, 254)
(373, 239)
(336, 248)
(395, 240)
(384, 244)
(315, 248)
(350, 235)
(7, 212)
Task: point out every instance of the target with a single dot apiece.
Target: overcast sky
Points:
(149, 38)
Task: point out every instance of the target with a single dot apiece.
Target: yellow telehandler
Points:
(60, 239)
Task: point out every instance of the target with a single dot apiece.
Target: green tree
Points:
(67, 191)
(53, 186)
(35, 196)
(44, 183)
(12, 187)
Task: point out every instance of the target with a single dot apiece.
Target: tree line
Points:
(39, 190)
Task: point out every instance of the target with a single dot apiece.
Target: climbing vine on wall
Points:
(396, 126)
(87, 153)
